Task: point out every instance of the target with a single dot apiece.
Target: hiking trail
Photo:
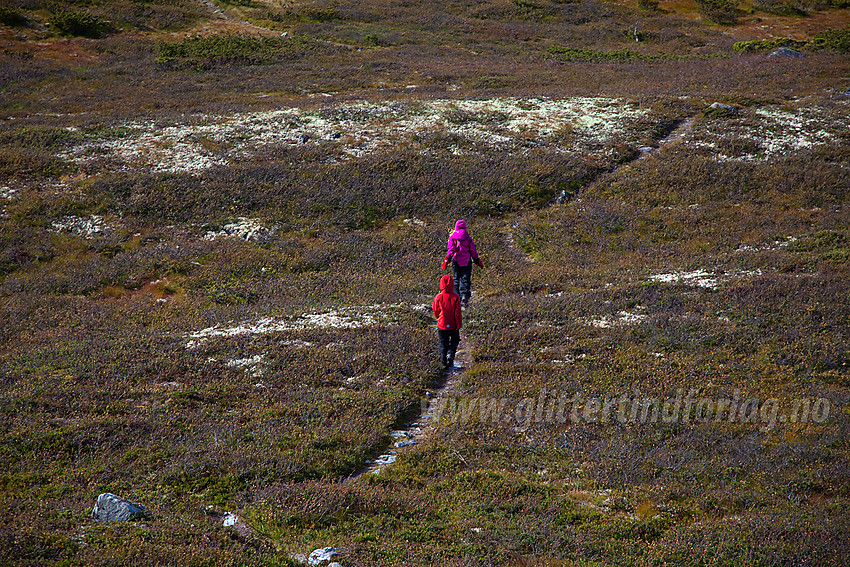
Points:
(421, 425)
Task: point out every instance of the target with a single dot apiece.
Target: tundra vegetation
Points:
(221, 226)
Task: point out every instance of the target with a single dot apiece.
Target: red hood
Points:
(447, 284)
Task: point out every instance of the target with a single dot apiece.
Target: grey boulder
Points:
(323, 556)
(786, 52)
(724, 107)
(111, 508)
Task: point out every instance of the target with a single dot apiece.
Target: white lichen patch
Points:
(591, 124)
(789, 131)
(251, 230)
(702, 278)
(769, 133)
(775, 245)
(243, 362)
(297, 343)
(88, 228)
(251, 365)
(620, 319)
(6, 194)
(343, 318)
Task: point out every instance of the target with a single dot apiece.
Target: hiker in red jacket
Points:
(446, 307)
(462, 253)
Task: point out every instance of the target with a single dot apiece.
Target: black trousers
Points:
(448, 345)
(463, 280)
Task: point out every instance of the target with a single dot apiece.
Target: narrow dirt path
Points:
(680, 131)
(510, 240)
(421, 426)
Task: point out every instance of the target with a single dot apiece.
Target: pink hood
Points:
(461, 247)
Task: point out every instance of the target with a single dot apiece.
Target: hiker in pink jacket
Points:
(461, 252)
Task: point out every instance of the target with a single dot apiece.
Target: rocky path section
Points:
(216, 10)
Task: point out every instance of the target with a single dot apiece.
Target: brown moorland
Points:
(221, 226)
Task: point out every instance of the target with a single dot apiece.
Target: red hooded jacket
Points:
(446, 305)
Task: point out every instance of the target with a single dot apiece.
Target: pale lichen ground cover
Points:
(764, 134)
(702, 278)
(361, 128)
(588, 126)
(342, 318)
(86, 227)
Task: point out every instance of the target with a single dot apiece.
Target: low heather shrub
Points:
(80, 23)
(828, 40)
(834, 40)
(11, 17)
(768, 44)
(583, 54)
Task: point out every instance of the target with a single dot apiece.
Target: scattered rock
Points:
(725, 107)
(323, 557)
(786, 52)
(111, 508)
(303, 138)
(88, 228)
(563, 197)
(405, 443)
(231, 520)
(247, 229)
(385, 459)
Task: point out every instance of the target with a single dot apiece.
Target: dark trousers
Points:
(463, 280)
(448, 345)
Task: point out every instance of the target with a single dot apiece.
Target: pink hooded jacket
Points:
(461, 247)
